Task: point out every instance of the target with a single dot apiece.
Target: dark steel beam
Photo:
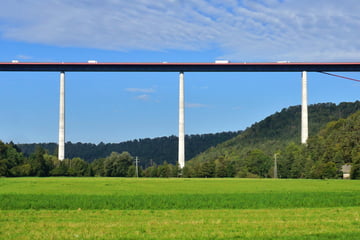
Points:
(180, 67)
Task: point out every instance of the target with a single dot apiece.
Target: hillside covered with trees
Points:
(251, 153)
(149, 151)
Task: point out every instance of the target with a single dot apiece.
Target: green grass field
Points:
(124, 208)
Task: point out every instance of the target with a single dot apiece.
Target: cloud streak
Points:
(263, 30)
(195, 105)
(143, 97)
(23, 57)
(144, 93)
(140, 90)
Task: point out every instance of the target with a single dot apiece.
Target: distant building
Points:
(346, 169)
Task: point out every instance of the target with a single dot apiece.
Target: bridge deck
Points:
(180, 67)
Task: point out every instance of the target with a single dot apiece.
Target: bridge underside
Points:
(180, 67)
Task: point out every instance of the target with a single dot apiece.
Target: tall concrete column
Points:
(181, 156)
(61, 148)
(304, 110)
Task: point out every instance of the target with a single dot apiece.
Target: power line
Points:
(339, 76)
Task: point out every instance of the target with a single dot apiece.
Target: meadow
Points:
(129, 208)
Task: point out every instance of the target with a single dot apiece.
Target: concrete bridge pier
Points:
(304, 109)
(181, 156)
(61, 147)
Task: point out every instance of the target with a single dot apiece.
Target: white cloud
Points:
(195, 105)
(143, 97)
(141, 90)
(236, 108)
(23, 57)
(262, 30)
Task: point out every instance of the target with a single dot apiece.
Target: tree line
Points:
(13, 163)
(150, 151)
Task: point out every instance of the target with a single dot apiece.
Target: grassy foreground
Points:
(114, 208)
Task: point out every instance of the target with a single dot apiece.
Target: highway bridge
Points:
(221, 66)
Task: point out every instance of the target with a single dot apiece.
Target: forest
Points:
(334, 141)
(149, 151)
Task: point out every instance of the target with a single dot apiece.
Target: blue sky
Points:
(114, 107)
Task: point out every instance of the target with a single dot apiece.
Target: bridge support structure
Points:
(61, 146)
(181, 149)
(304, 109)
(181, 137)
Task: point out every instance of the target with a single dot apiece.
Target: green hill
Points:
(245, 154)
(335, 145)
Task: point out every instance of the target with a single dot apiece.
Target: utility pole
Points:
(137, 167)
(275, 166)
